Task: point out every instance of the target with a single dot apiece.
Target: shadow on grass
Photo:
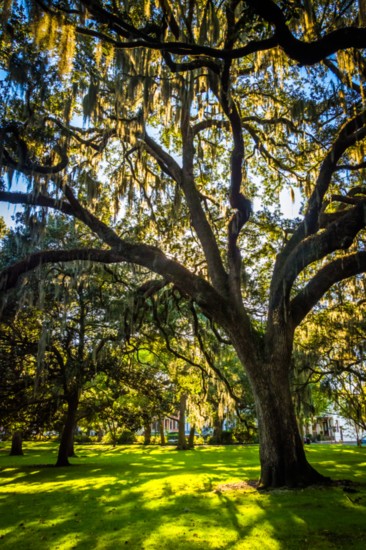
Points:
(160, 498)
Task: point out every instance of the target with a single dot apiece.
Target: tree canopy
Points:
(158, 126)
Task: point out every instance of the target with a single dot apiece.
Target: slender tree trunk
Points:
(16, 445)
(182, 442)
(112, 428)
(217, 433)
(191, 437)
(162, 433)
(68, 430)
(300, 425)
(147, 434)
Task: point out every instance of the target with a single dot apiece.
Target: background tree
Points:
(192, 107)
(334, 339)
(27, 408)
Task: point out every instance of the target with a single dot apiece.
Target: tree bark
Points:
(16, 445)
(147, 434)
(162, 433)
(191, 437)
(68, 430)
(71, 446)
(217, 432)
(300, 423)
(182, 442)
(282, 454)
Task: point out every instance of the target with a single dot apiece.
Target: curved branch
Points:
(76, 133)
(351, 133)
(286, 269)
(38, 199)
(72, 208)
(209, 123)
(338, 235)
(335, 271)
(199, 220)
(166, 162)
(182, 67)
(9, 276)
(193, 198)
(307, 53)
(24, 163)
(201, 53)
(147, 256)
(341, 76)
(237, 199)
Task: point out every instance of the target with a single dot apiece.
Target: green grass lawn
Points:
(159, 498)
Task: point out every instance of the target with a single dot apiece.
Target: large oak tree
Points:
(189, 109)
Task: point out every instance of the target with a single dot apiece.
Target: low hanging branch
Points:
(9, 277)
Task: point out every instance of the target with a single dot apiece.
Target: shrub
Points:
(123, 437)
(82, 438)
(226, 438)
(126, 438)
(243, 435)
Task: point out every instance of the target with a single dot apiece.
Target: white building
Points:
(332, 427)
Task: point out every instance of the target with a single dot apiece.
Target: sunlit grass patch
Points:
(158, 498)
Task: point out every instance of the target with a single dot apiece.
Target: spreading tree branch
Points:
(333, 272)
(338, 235)
(296, 254)
(307, 53)
(10, 276)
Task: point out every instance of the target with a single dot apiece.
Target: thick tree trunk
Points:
(147, 434)
(71, 446)
(182, 442)
(16, 445)
(68, 431)
(282, 454)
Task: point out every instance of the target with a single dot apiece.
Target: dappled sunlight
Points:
(186, 532)
(339, 461)
(160, 498)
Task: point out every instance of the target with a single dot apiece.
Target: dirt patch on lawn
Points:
(250, 485)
